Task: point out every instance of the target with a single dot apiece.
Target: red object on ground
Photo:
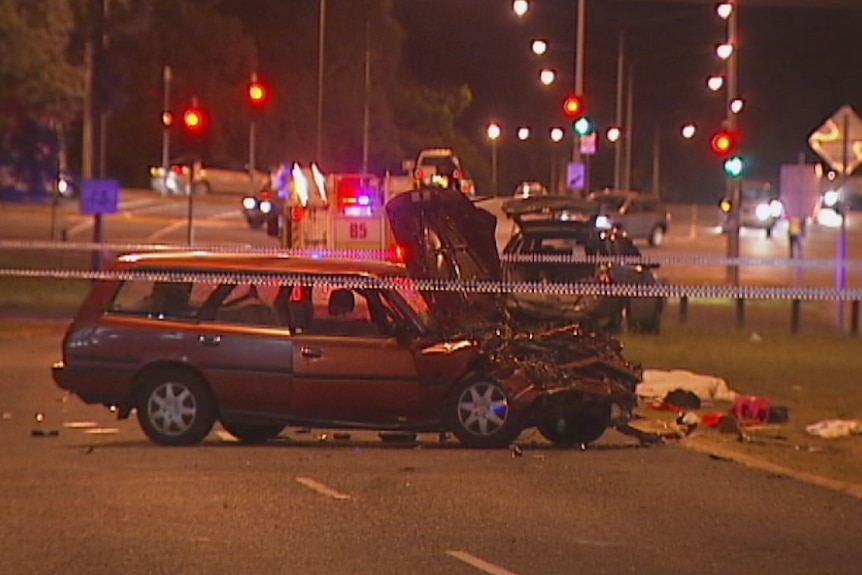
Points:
(712, 419)
(751, 408)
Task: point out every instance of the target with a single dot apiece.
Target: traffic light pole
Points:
(732, 184)
(190, 234)
(580, 46)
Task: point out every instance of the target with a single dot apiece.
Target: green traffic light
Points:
(734, 166)
(583, 126)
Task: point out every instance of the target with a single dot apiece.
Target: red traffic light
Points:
(723, 143)
(573, 106)
(194, 120)
(256, 93)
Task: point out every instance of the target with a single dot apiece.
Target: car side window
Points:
(250, 304)
(342, 312)
(162, 299)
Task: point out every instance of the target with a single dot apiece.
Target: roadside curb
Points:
(847, 487)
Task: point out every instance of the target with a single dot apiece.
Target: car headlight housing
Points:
(249, 203)
(265, 206)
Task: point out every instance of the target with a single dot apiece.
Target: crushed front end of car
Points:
(570, 382)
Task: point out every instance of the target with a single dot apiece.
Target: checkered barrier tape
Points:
(467, 287)
(667, 260)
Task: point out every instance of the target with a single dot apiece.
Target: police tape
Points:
(391, 255)
(545, 289)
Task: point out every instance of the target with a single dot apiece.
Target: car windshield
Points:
(407, 303)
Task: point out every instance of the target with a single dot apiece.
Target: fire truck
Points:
(340, 212)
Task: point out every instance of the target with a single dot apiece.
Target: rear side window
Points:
(174, 300)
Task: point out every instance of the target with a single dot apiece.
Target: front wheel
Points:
(482, 415)
(176, 409)
(579, 427)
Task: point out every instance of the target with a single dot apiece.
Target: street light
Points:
(724, 51)
(614, 134)
(715, 83)
(547, 76)
(539, 47)
(688, 131)
(523, 133)
(520, 7)
(493, 131)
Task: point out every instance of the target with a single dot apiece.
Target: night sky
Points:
(798, 64)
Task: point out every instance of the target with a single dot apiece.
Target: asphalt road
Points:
(98, 498)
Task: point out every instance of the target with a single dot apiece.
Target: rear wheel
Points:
(482, 415)
(252, 433)
(176, 408)
(581, 426)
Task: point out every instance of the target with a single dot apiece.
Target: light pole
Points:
(493, 131)
(730, 11)
(167, 120)
(321, 37)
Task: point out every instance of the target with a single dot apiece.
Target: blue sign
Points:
(100, 197)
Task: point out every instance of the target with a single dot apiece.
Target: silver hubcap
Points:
(483, 409)
(171, 409)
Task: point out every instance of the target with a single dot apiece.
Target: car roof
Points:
(260, 262)
(557, 228)
(547, 204)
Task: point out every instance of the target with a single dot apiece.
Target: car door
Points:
(346, 368)
(246, 351)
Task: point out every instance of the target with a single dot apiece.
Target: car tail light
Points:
(398, 253)
(419, 174)
(457, 174)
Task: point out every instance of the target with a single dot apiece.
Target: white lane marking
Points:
(321, 488)
(479, 564)
(102, 430)
(80, 424)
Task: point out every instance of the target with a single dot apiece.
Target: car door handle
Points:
(211, 340)
(311, 351)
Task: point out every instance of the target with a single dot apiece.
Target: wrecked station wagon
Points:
(259, 342)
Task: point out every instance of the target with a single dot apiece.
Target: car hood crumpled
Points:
(447, 240)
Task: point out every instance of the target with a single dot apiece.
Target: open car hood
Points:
(446, 237)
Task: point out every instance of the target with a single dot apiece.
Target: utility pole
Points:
(732, 185)
(321, 39)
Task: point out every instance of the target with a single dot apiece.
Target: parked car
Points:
(547, 248)
(262, 341)
(641, 216)
(208, 179)
(261, 207)
(760, 207)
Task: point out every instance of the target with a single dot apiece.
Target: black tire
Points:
(482, 415)
(175, 408)
(580, 427)
(252, 433)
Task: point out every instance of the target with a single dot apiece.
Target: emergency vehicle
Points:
(340, 212)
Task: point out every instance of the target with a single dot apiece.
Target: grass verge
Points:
(813, 372)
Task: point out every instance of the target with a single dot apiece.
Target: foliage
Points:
(212, 47)
(37, 71)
